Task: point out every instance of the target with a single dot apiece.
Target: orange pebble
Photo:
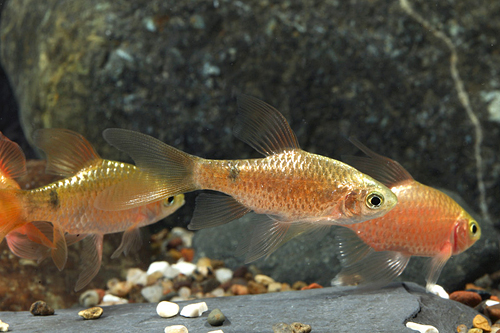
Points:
(238, 289)
(187, 254)
(312, 286)
(495, 298)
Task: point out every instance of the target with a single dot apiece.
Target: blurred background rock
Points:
(172, 69)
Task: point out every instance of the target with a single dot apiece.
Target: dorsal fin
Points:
(67, 152)
(12, 159)
(263, 127)
(383, 169)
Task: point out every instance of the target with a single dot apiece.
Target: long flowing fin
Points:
(166, 171)
(436, 265)
(383, 169)
(60, 253)
(363, 266)
(263, 127)
(12, 159)
(212, 210)
(267, 235)
(23, 247)
(67, 152)
(91, 260)
(131, 242)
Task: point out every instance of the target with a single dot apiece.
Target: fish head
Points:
(372, 201)
(165, 207)
(466, 232)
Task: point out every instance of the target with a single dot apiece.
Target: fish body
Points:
(290, 190)
(426, 222)
(68, 204)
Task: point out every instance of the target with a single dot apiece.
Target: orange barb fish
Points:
(425, 222)
(68, 204)
(292, 190)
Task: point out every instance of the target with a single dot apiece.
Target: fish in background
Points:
(13, 165)
(290, 191)
(426, 222)
(68, 204)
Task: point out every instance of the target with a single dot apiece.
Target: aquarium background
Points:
(416, 81)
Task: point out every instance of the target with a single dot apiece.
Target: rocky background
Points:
(372, 69)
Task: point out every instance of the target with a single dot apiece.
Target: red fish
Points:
(291, 190)
(426, 222)
(68, 204)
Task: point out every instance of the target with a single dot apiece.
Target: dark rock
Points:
(384, 310)
(40, 308)
(216, 317)
(209, 284)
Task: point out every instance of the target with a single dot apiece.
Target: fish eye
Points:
(473, 227)
(169, 201)
(374, 200)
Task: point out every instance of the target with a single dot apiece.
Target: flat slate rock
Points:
(326, 310)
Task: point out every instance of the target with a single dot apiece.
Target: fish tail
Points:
(164, 171)
(11, 211)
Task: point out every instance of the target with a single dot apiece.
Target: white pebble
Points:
(438, 290)
(157, 266)
(167, 309)
(4, 327)
(185, 235)
(171, 272)
(491, 302)
(153, 293)
(184, 292)
(422, 328)
(108, 298)
(263, 279)
(218, 292)
(223, 274)
(137, 276)
(89, 298)
(194, 310)
(186, 268)
(176, 329)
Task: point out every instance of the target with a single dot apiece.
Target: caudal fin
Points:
(164, 171)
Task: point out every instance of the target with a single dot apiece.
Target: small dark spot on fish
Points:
(234, 172)
(54, 199)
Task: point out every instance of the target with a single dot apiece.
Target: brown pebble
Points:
(238, 289)
(182, 280)
(299, 285)
(493, 312)
(152, 278)
(462, 328)
(469, 298)
(481, 322)
(301, 328)
(240, 272)
(256, 288)
(40, 308)
(187, 254)
(174, 243)
(92, 313)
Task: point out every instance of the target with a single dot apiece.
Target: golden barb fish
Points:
(425, 222)
(69, 203)
(291, 190)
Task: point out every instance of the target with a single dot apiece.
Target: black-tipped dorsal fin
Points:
(263, 127)
(383, 169)
(67, 152)
(12, 159)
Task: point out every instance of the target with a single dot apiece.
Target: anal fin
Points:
(60, 252)
(436, 265)
(91, 260)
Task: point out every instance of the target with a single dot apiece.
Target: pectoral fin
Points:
(60, 253)
(131, 242)
(364, 266)
(91, 260)
(215, 209)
